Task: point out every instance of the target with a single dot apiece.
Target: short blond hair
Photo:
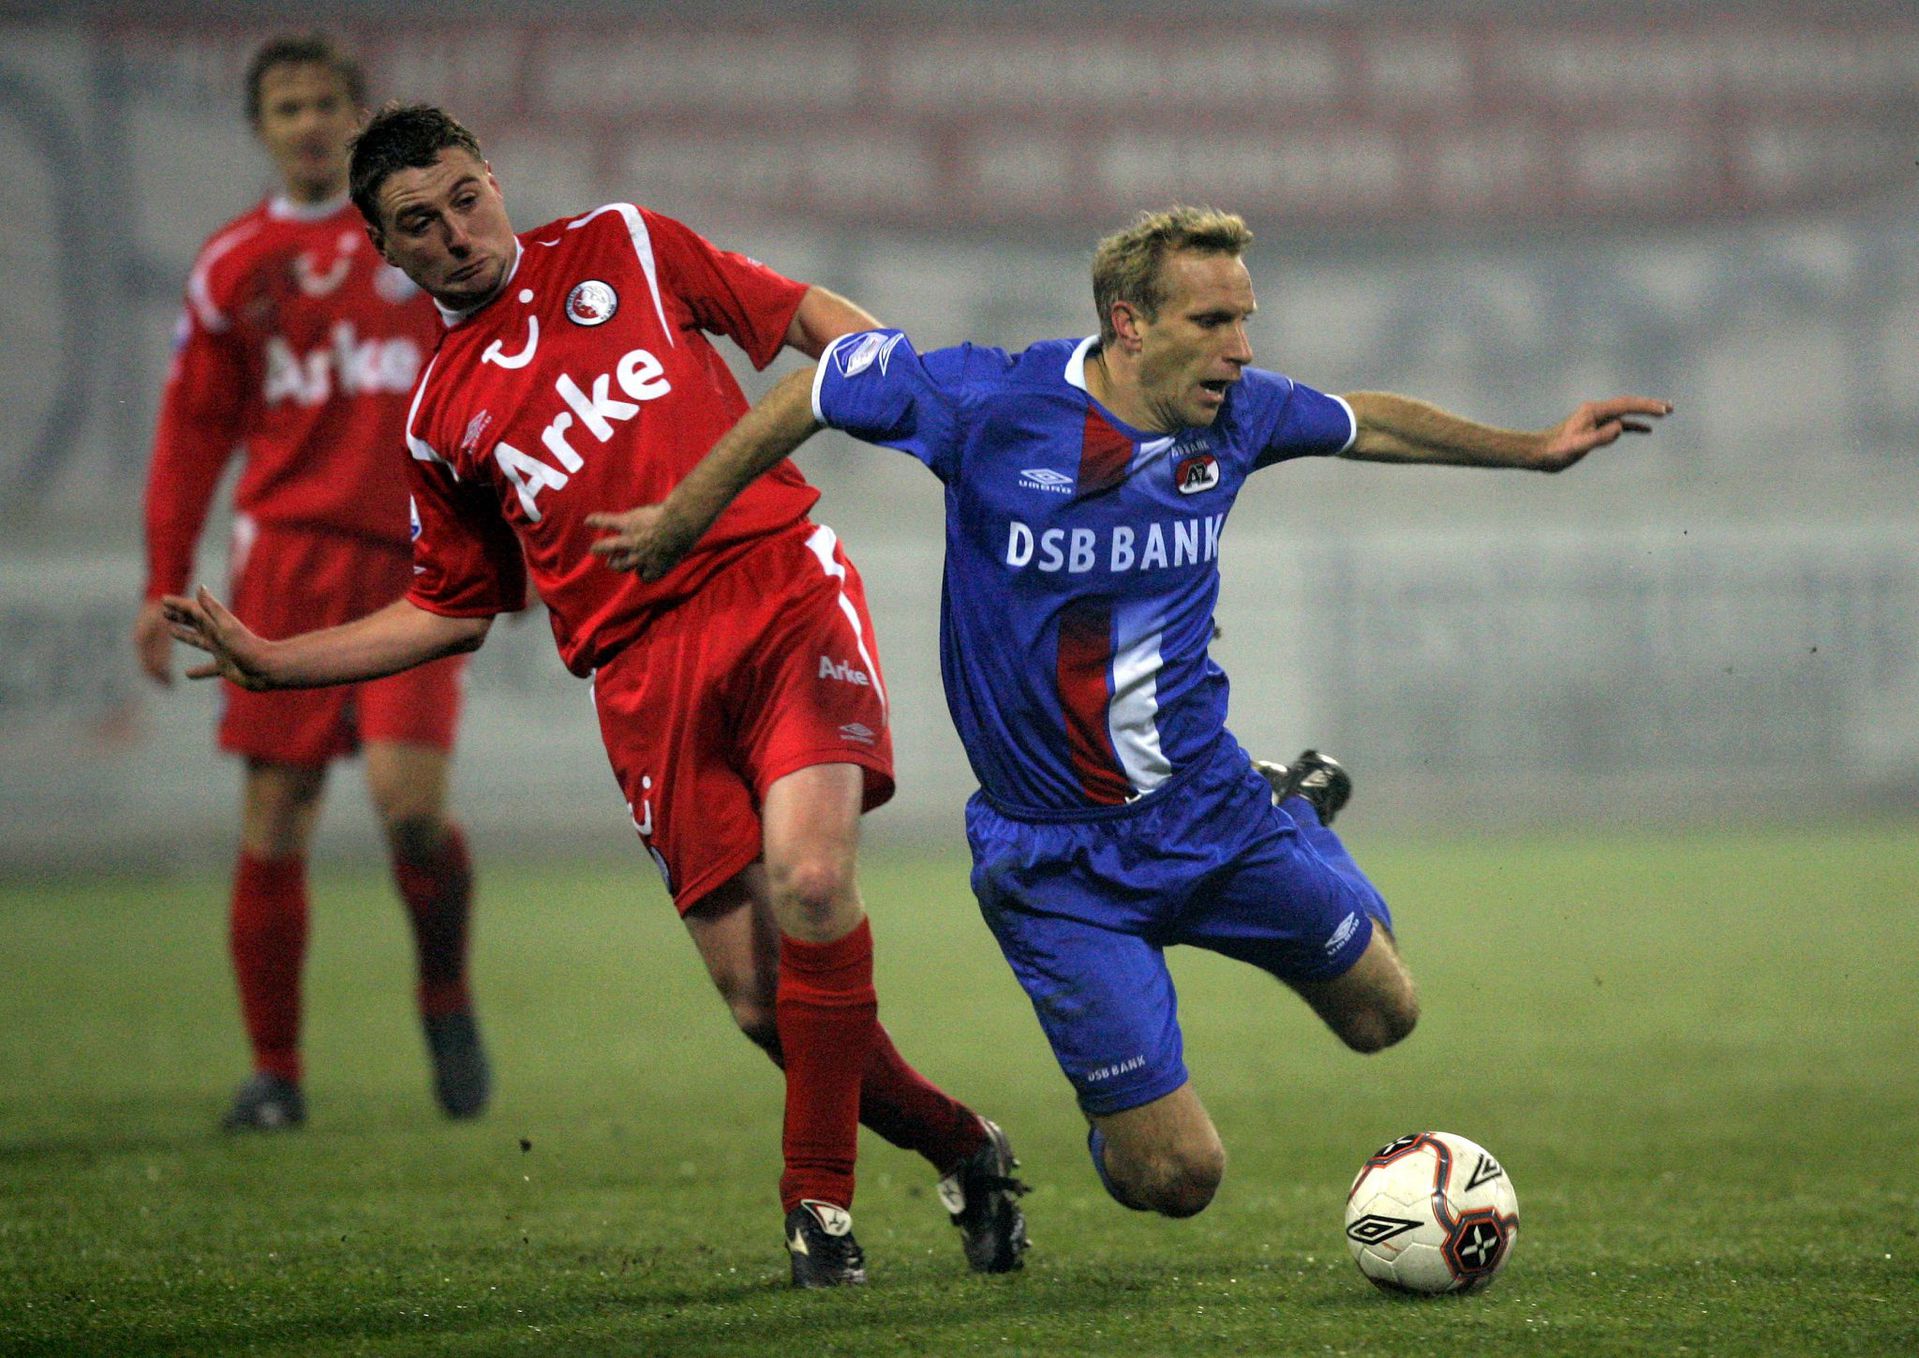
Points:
(1128, 265)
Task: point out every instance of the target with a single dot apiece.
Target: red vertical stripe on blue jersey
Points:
(1104, 454)
(1085, 661)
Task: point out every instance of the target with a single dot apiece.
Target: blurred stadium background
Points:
(1505, 207)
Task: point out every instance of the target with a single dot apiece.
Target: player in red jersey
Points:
(741, 703)
(300, 346)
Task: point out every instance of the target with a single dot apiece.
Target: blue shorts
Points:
(1084, 910)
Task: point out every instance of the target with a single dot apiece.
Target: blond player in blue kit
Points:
(1087, 487)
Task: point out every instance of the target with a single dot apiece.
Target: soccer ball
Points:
(1430, 1213)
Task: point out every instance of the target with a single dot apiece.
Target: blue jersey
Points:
(1082, 554)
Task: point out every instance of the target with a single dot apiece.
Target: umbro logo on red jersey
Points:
(856, 732)
(475, 430)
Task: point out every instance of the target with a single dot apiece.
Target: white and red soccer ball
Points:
(1432, 1213)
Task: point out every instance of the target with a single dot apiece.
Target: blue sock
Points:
(1096, 1144)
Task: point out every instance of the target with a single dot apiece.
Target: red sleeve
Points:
(466, 560)
(728, 294)
(199, 427)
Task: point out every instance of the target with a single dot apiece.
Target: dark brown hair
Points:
(401, 137)
(303, 49)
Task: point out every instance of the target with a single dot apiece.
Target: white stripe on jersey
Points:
(246, 532)
(1147, 451)
(643, 247)
(198, 295)
(819, 371)
(1351, 419)
(821, 541)
(1131, 718)
(422, 450)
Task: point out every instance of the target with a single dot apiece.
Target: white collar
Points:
(1076, 365)
(283, 209)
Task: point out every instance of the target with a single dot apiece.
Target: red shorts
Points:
(288, 580)
(769, 669)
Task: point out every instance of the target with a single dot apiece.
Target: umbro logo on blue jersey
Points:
(855, 358)
(1046, 479)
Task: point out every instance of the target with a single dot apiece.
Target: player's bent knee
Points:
(817, 889)
(1185, 1185)
(1172, 1180)
(1380, 1026)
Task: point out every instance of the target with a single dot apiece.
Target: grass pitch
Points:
(1698, 1056)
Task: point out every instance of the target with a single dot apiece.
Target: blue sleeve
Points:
(1301, 422)
(876, 386)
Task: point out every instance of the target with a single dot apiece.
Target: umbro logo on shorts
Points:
(856, 732)
(1347, 927)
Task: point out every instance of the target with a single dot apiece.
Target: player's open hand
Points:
(1596, 424)
(205, 623)
(649, 540)
(153, 643)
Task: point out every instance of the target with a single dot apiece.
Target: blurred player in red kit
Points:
(299, 346)
(742, 703)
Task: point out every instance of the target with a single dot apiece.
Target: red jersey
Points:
(299, 345)
(587, 384)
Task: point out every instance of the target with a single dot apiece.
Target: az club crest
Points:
(592, 303)
(1196, 473)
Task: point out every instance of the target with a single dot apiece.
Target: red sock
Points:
(438, 891)
(914, 1113)
(827, 1016)
(903, 1106)
(267, 934)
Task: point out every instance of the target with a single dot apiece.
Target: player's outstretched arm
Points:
(823, 316)
(395, 638)
(653, 539)
(1401, 429)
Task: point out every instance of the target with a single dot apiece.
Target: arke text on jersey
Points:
(640, 376)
